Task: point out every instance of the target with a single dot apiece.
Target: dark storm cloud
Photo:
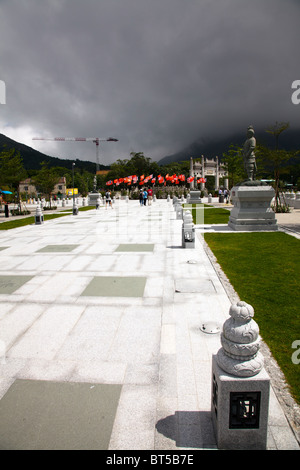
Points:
(157, 75)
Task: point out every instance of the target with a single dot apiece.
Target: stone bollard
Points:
(209, 199)
(75, 208)
(83, 201)
(154, 198)
(179, 211)
(98, 203)
(168, 198)
(127, 199)
(188, 230)
(39, 217)
(240, 384)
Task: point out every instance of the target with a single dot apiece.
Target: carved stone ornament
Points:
(240, 341)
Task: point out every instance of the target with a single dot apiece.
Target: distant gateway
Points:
(208, 167)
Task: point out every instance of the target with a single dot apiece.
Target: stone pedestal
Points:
(252, 208)
(195, 197)
(179, 211)
(240, 384)
(75, 209)
(188, 230)
(239, 410)
(93, 197)
(39, 216)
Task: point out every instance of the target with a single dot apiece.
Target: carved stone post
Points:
(240, 384)
(188, 230)
(39, 216)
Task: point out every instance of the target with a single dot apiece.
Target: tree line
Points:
(275, 164)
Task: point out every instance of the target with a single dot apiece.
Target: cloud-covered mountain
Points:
(209, 147)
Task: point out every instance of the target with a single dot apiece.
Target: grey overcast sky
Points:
(156, 74)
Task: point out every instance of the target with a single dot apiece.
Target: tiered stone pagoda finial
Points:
(239, 355)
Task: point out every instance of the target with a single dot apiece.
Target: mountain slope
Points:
(32, 158)
(290, 140)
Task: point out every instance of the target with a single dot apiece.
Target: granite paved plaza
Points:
(101, 334)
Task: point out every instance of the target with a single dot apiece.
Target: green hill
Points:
(32, 158)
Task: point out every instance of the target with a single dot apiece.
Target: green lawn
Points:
(203, 214)
(264, 270)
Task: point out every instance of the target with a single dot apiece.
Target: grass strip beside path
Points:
(264, 270)
(204, 214)
(26, 221)
(31, 219)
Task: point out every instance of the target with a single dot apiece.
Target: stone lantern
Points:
(188, 230)
(240, 341)
(39, 216)
(240, 384)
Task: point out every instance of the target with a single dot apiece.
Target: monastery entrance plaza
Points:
(101, 330)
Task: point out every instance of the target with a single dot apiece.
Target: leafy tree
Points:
(276, 158)
(233, 161)
(177, 168)
(276, 130)
(12, 170)
(45, 180)
(82, 180)
(140, 164)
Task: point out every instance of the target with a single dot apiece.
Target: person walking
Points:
(150, 195)
(145, 197)
(108, 199)
(141, 198)
(226, 195)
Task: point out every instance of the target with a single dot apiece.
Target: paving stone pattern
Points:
(101, 326)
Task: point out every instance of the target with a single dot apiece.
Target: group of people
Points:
(224, 193)
(146, 195)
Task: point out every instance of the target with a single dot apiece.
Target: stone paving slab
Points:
(150, 347)
(9, 284)
(112, 286)
(45, 415)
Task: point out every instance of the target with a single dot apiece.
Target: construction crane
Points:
(96, 140)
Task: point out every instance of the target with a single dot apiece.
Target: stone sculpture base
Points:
(239, 409)
(252, 208)
(195, 197)
(93, 198)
